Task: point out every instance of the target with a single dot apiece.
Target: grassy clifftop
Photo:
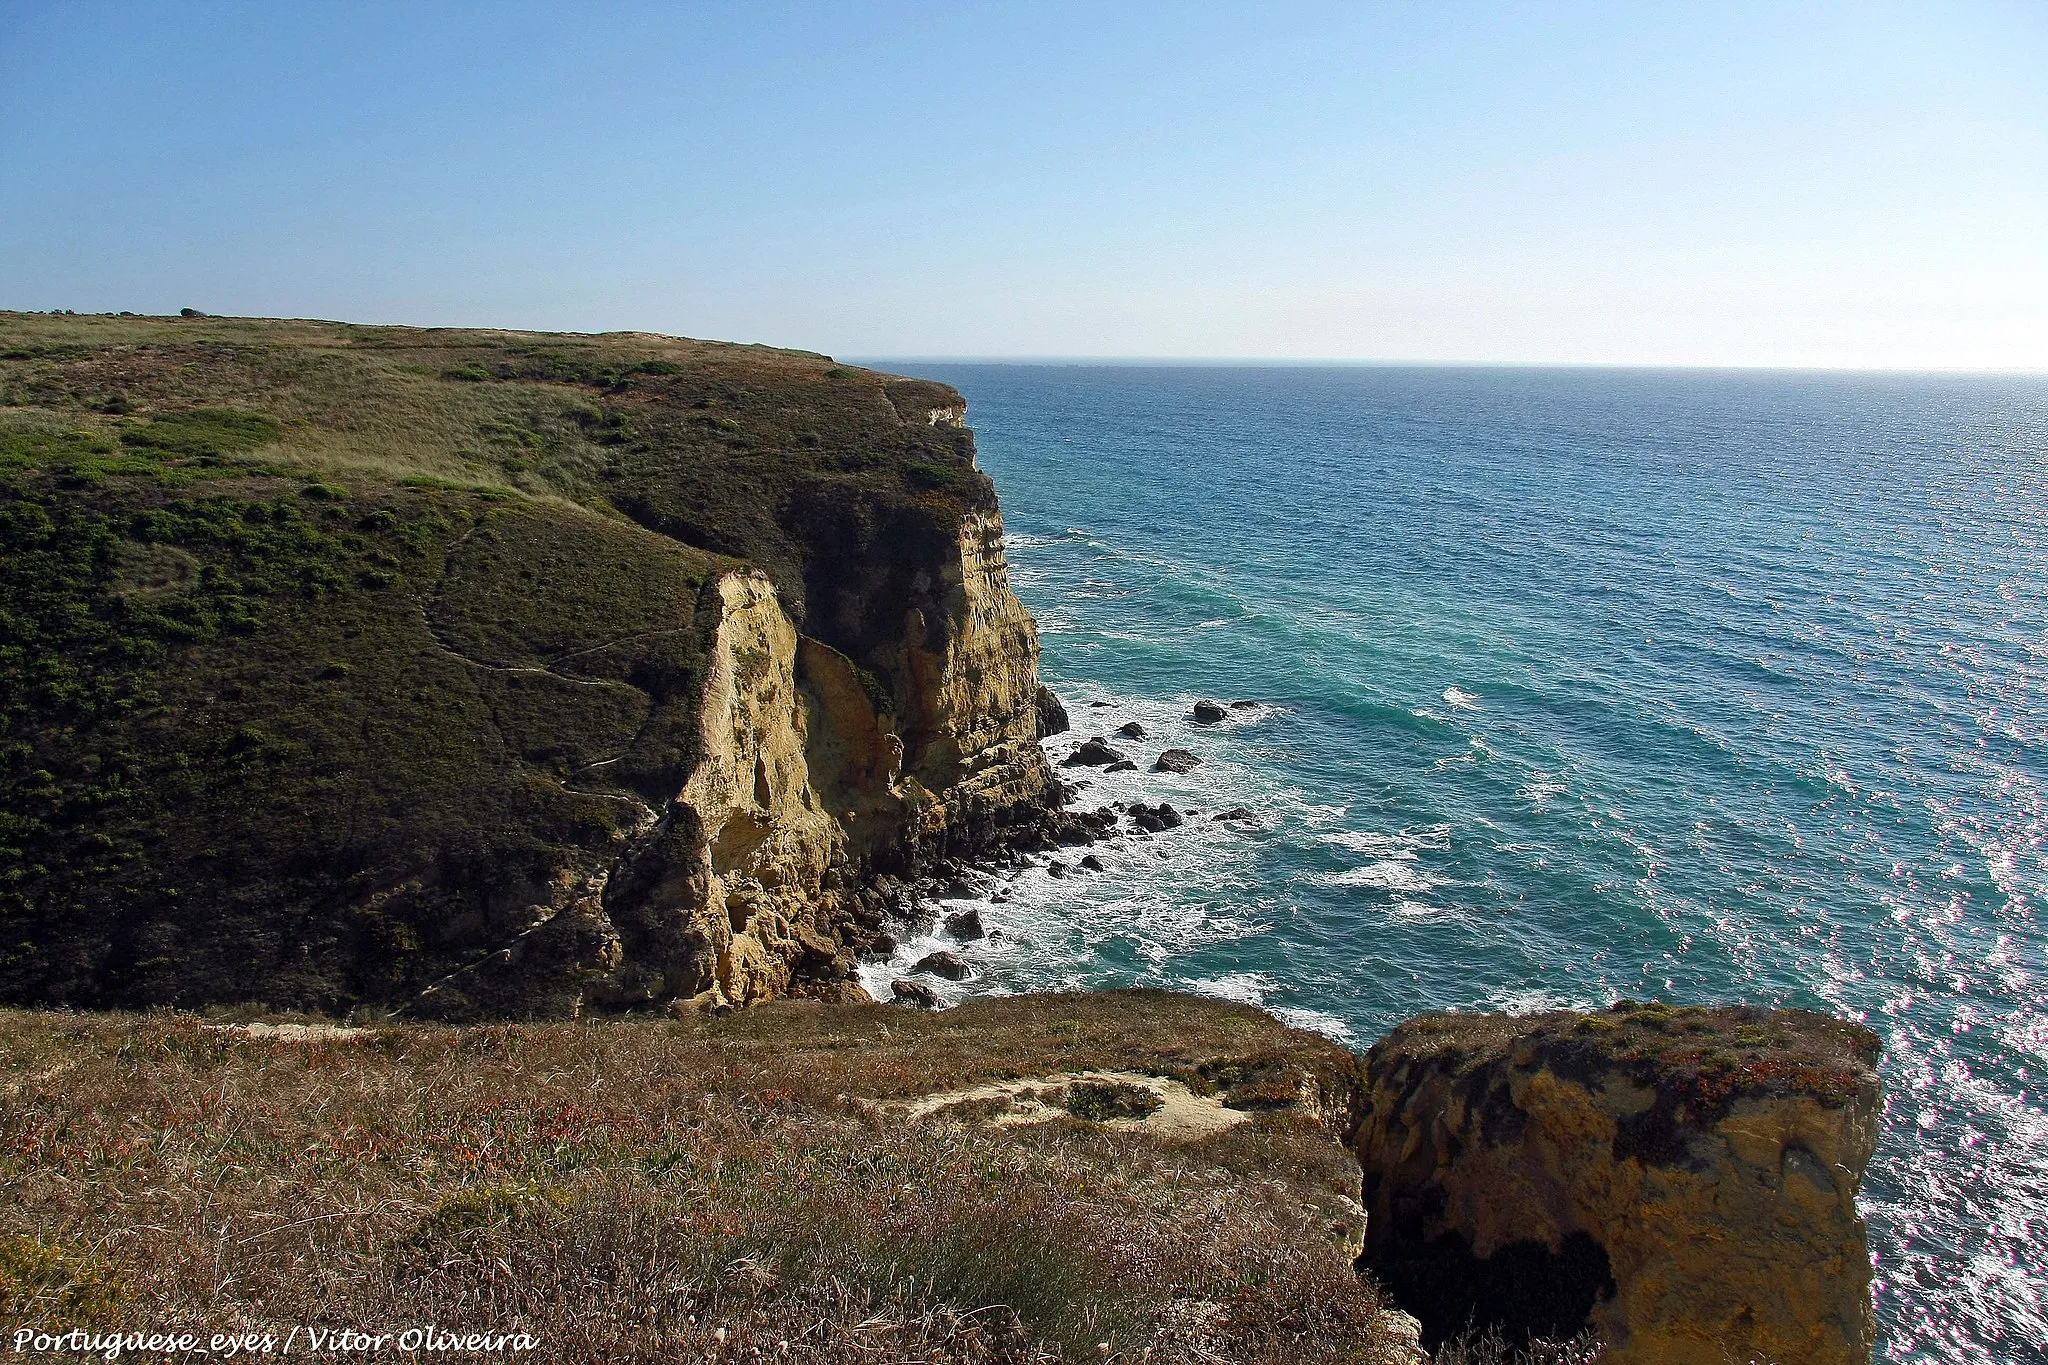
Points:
(760, 1186)
(326, 650)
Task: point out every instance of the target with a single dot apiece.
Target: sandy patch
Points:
(292, 1033)
(1181, 1113)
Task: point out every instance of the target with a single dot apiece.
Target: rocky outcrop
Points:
(1683, 1180)
(1052, 716)
(1094, 752)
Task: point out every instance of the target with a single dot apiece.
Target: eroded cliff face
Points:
(759, 878)
(1683, 1180)
(970, 656)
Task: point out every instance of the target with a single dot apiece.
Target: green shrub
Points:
(929, 475)
(205, 431)
(1100, 1101)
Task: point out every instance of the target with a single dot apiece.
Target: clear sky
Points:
(1658, 183)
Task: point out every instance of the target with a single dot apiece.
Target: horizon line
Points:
(1329, 362)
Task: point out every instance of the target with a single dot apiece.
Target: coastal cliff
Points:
(475, 674)
(438, 677)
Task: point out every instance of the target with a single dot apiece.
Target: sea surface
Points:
(1573, 685)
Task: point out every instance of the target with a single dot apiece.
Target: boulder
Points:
(1122, 765)
(1056, 869)
(965, 925)
(1052, 717)
(1099, 703)
(1244, 705)
(1092, 863)
(942, 963)
(1153, 819)
(915, 994)
(1176, 761)
(883, 945)
(1093, 753)
(1130, 729)
(1682, 1180)
(1235, 813)
(1208, 713)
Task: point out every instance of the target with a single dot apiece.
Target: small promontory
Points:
(1681, 1179)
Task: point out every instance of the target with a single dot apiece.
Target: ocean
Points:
(1572, 685)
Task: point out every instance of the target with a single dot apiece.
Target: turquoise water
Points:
(1576, 685)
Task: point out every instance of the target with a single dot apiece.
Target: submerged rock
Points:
(1683, 1180)
(1130, 729)
(1122, 765)
(1236, 813)
(1092, 863)
(1176, 761)
(942, 963)
(1207, 713)
(915, 994)
(1245, 705)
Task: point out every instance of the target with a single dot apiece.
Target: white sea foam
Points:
(1246, 988)
(1458, 699)
(1317, 1021)
(1434, 838)
(1389, 874)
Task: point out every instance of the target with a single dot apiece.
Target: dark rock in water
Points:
(1098, 703)
(999, 898)
(1052, 717)
(1208, 713)
(1176, 761)
(1153, 819)
(1235, 813)
(1093, 753)
(1244, 705)
(965, 925)
(949, 965)
(1056, 869)
(959, 889)
(1130, 729)
(883, 945)
(1092, 863)
(915, 994)
(1122, 765)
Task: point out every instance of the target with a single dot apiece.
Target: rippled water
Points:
(1576, 685)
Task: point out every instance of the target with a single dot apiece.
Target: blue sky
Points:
(1658, 183)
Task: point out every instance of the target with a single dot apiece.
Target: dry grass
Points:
(679, 1190)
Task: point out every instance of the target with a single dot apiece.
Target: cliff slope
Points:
(483, 673)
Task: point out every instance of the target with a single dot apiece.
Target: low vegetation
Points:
(707, 1189)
